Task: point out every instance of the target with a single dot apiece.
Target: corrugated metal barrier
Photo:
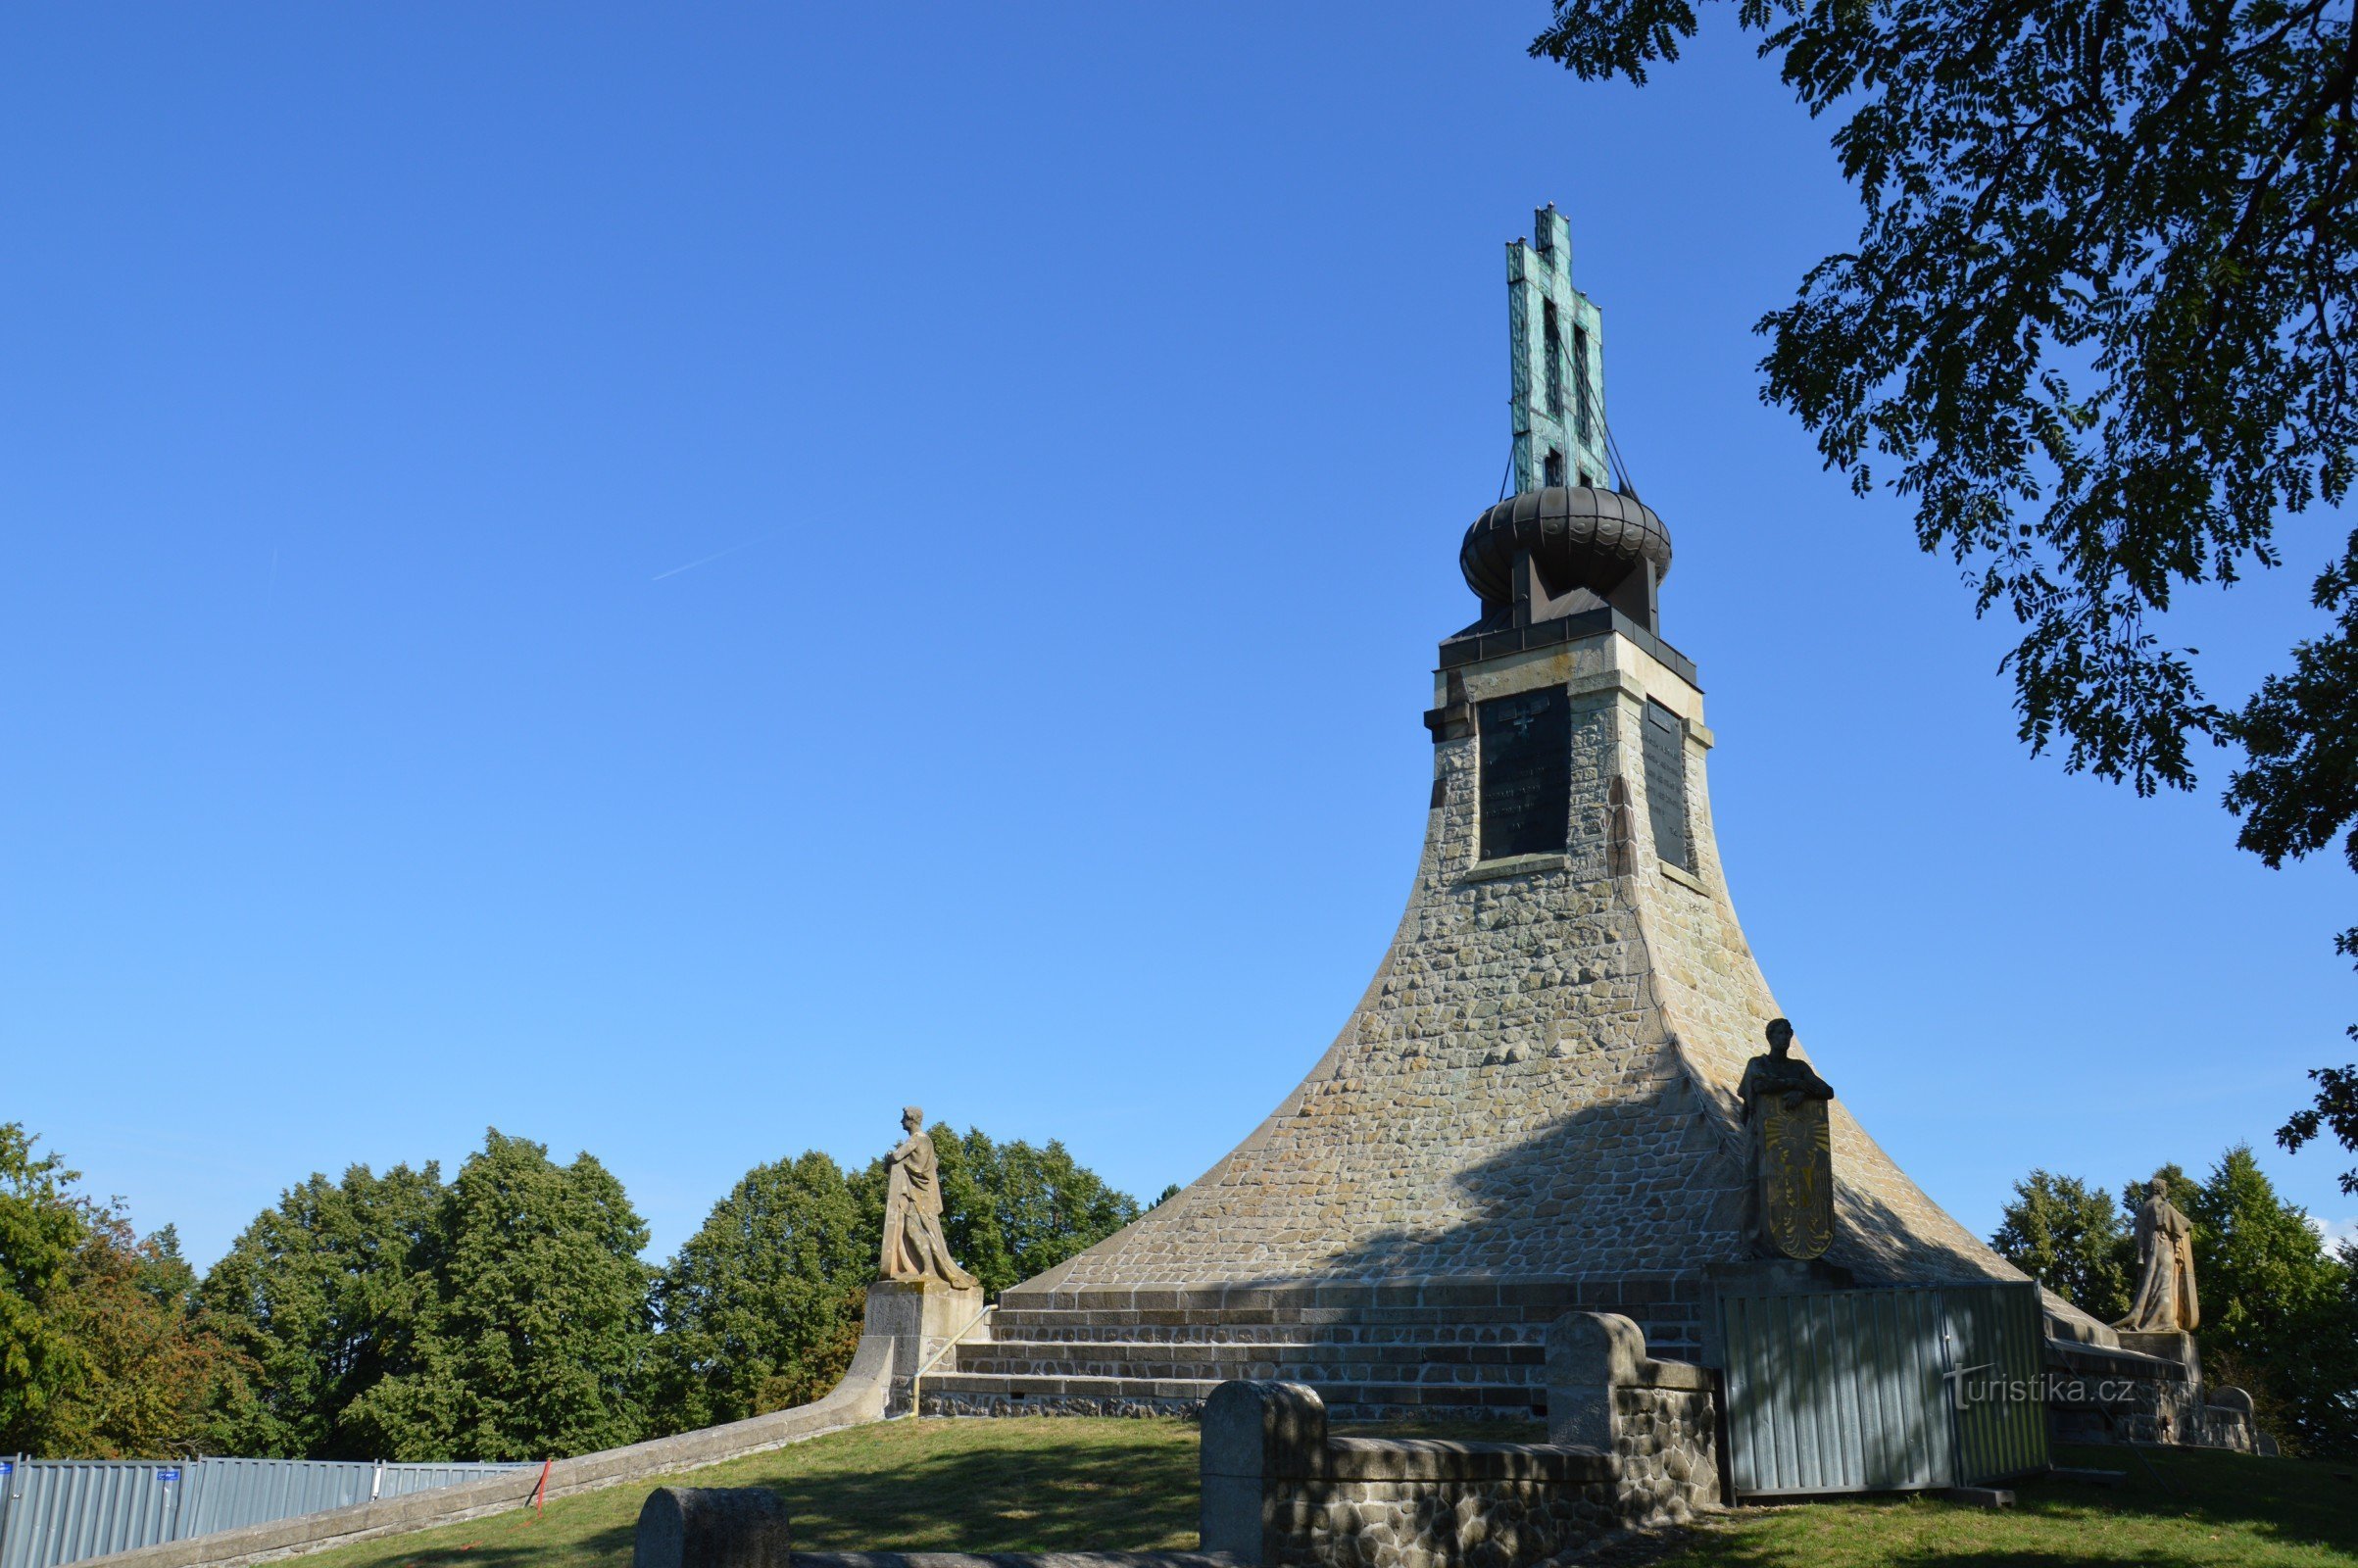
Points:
(55, 1511)
(1882, 1390)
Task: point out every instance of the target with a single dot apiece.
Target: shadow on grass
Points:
(2292, 1501)
(2193, 1510)
(1006, 1486)
(1037, 1497)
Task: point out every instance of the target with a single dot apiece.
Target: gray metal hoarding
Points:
(55, 1511)
(1882, 1390)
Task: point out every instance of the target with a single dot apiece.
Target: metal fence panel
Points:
(1891, 1390)
(55, 1511)
(61, 1510)
(1836, 1391)
(228, 1493)
(400, 1480)
(1999, 1335)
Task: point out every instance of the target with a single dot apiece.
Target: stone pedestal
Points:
(2178, 1347)
(923, 1318)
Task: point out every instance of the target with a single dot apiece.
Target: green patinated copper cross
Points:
(1559, 347)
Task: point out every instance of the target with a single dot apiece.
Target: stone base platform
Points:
(1458, 1348)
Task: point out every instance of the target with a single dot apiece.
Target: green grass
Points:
(1030, 1484)
(2179, 1508)
(1047, 1485)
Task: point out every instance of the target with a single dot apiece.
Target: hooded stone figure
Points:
(2165, 1260)
(915, 1247)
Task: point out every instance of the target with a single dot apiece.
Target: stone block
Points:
(1253, 1432)
(2178, 1347)
(1589, 1355)
(712, 1527)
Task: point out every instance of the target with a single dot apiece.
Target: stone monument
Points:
(1538, 1104)
(915, 1247)
(922, 1301)
(1790, 1149)
(2165, 1261)
(2163, 1318)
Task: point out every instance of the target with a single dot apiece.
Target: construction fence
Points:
(55, 1511)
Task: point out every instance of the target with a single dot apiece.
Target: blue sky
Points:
(672, 580)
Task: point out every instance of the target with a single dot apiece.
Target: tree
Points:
(2275, 1304)
(2067, 1235)
(533, 1340)
(323, 1294)
(761, 1308)
(1009, 1210)
(101, 1355)
(148, 1367)
(43, 1231)
(2097, 323)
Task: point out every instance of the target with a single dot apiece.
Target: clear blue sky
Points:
(671, 580)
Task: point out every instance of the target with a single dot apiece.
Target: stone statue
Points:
(2165, 1260)
(1790, 1151)
(915, 1247)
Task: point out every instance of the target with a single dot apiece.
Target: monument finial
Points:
(1558, 345)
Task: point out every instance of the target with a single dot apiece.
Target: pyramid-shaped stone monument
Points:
(1536, 1104)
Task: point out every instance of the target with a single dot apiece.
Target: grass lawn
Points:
(2193, 1508)
(1047, 1485)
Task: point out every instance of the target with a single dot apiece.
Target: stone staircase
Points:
(1393, 1352)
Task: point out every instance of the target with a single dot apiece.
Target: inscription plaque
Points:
(1526, 773)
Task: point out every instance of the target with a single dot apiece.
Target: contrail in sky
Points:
(702, 560)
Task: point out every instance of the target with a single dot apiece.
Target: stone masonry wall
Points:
(1278, 1490)
(1539, 1083)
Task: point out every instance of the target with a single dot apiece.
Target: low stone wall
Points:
(1279, 1491)
(904, 1324)
(2099, 1395)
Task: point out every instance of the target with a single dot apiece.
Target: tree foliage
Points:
(322, 1294)
(102, 1354)
(532, 1340)
(2276, 1303)
(2280, 1313)
(2067, 1235)
(503, 1314)
(2097, 326)
(761, 1311)
(41, 1231)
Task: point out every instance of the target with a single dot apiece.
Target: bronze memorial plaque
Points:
(1526, 773)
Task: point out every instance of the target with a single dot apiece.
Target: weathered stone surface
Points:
(2166, 1301)
(1540, 1082)
(913, 1246)
(2096, 1394)
(712, 1527)
(1277, 1490)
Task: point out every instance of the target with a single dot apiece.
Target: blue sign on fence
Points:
(168, 1475)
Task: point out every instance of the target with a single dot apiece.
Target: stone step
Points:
(1302, 1363)
(1500, 1317)
(1082, 1328)
(980, 1394)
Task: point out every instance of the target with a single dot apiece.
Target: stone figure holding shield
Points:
(1790, 1150)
